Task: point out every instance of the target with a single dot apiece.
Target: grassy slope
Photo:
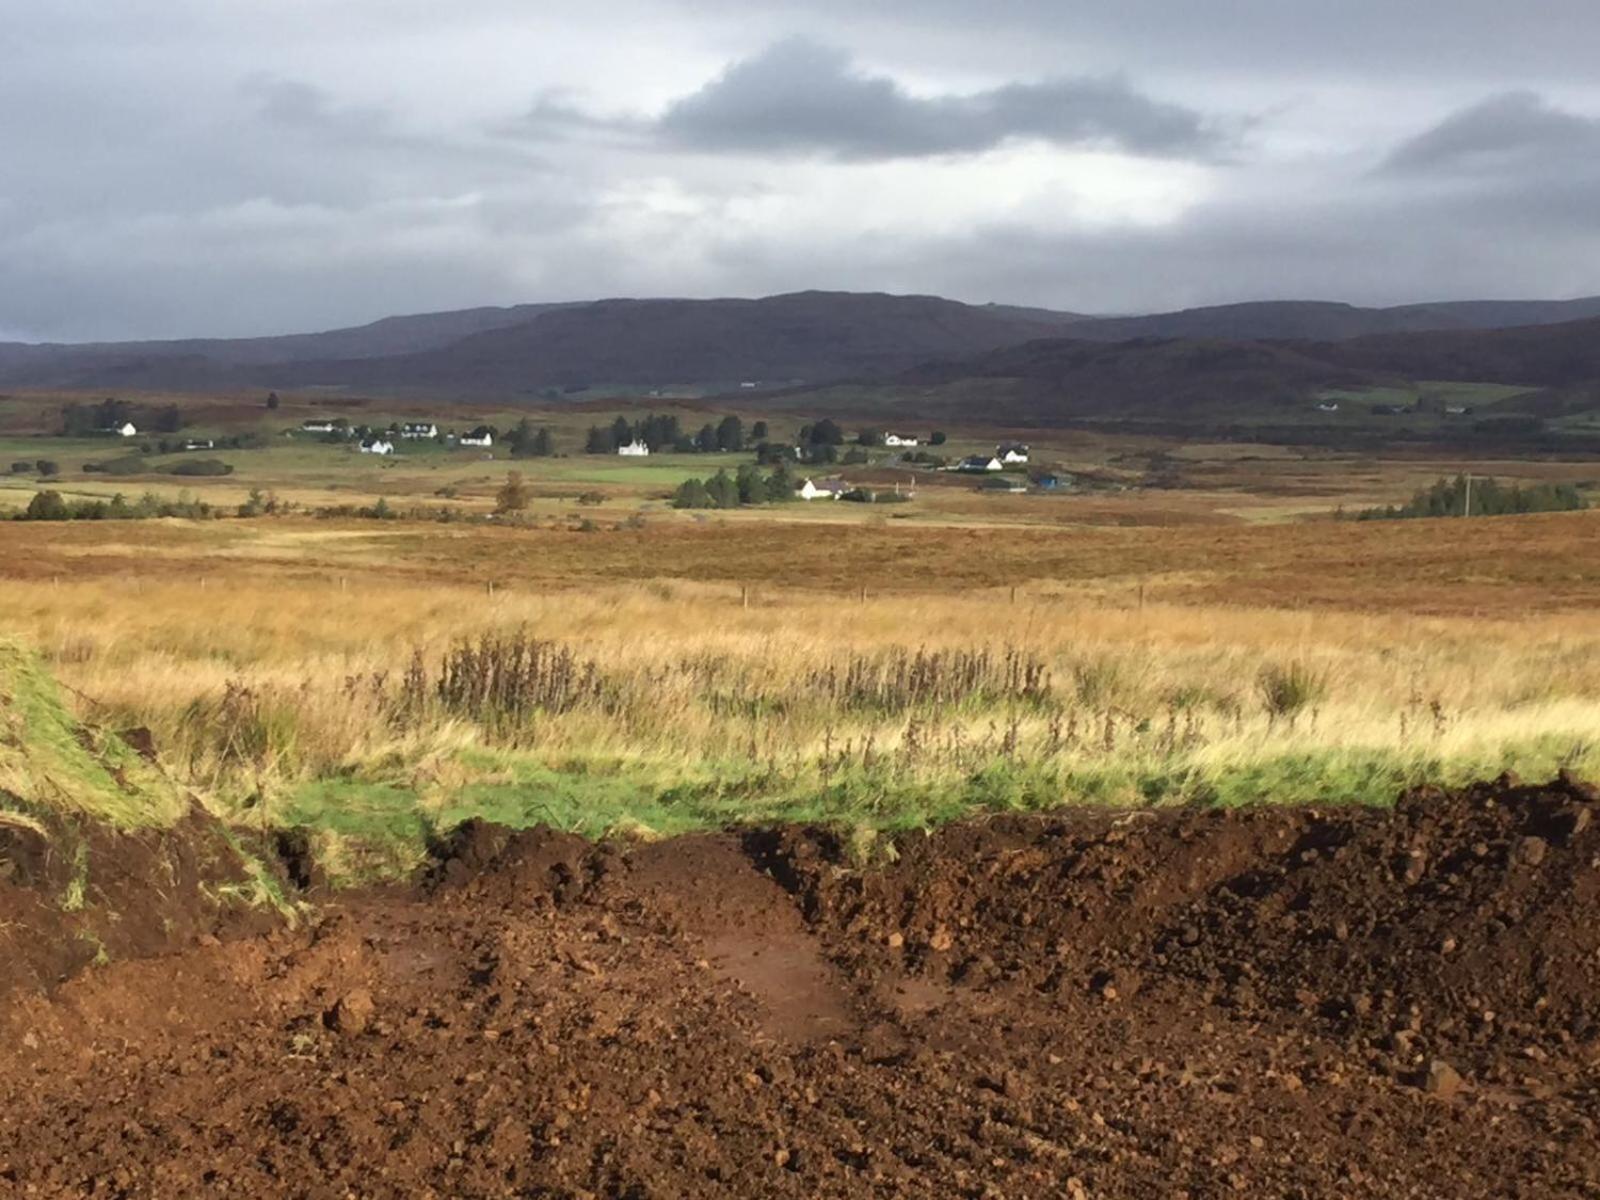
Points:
(52, 765)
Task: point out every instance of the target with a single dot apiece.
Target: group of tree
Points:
(87, 420)
(527, 442)
(46, 467)
(661, 432)
(53, 506)
(746, 486)
(1481, 497)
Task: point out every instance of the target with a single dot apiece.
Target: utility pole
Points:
(1467, 504)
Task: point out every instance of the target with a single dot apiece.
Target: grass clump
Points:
(1289, 688)
(52, 765)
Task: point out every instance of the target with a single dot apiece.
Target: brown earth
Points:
(1296, 1003)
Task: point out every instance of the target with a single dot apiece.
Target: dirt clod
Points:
(352, 1015)
(1441, 1080)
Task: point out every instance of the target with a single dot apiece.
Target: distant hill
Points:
(1067, 379)
(206, 362)
(1063, 379)
(808, 336)
(1541, 355)
(1326, 322)
(1173, 360)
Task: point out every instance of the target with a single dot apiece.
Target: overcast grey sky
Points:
(189, 167)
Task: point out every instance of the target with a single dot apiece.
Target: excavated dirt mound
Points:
(1176, 1004)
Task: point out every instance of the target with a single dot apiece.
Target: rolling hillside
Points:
(1168, 361)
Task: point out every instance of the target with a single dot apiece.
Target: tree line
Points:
(86, 420)
(664, 431)
(1489, 498)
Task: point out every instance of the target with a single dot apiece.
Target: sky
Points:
(174, 168)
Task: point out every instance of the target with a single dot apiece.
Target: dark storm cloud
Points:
(802, 97)
(1510, 131)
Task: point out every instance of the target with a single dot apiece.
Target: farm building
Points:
(419, 430)
(901, 439)
(377, 446)
(980, 462)
(481, 436)
(634, 449)
(316, 427)
(828, 489)
(1012, 453)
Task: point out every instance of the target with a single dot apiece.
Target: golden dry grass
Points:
(1440, 642)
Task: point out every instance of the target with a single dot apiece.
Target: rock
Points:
(1441, 1079)
(941, 940)
(1531, 851)
(896, 940)
(352, 1014)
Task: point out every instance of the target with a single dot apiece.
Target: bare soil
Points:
(1295, 1003)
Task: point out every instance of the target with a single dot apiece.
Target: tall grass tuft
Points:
(1289, 688)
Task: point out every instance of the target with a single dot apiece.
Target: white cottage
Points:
(126, 429)
(901, 439)
(828, 489)
(1012, 454)
(478, 437)
(377, 446)
(634, 449)
(414, 431)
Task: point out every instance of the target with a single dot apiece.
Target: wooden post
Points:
(863, 594)
(1013, 594)
(744, 596)
(1141, 597)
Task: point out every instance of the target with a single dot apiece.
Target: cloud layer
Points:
(175, 169)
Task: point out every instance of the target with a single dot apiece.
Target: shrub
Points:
(21, 468)
(513, 495)
(1289, 688)
(128, 464)
(691, 493)
(47, 468)
(201, 466)
(46, 506)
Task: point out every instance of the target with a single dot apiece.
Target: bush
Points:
(128, 464)
(21, 468)
(691, 493)
(201, 466)
(513, 495)
(47, 468)
(46, 506)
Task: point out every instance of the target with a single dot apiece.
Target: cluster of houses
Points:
(1007, 454)
(383, 442)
